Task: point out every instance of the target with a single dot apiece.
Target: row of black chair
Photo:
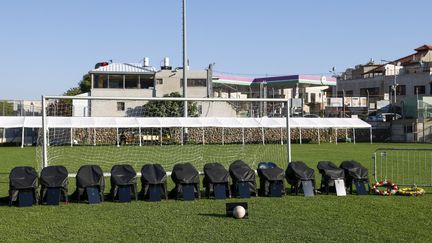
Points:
(90, 182)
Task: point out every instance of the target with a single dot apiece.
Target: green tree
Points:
(64, 106)
(85, 83)
(169, 108)
(84, 86)
(6, 108)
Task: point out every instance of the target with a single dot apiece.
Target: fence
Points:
(20, 107)
(403, 166)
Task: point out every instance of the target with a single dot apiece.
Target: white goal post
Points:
(45, 141)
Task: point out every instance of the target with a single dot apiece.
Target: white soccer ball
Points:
(239, 212)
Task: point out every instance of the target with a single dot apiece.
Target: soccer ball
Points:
(239, 212)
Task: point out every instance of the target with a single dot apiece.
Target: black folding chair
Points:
(154, 183)
(329, 173)
(90, 184)
(23, 184)
(123, 183)
(54, 185)
(216, 181)
(186, 178)
(300, 177)
(357, 174)
(243, 180)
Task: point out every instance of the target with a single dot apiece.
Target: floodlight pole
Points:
(184, 61)
(185, 109)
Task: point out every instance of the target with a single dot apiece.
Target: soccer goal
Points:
(116, 130)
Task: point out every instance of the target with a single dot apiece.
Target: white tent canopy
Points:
(180, 122)
(147, 122)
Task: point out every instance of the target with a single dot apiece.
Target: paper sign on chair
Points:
(340, 187)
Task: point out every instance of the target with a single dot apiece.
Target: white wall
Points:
(109, 107)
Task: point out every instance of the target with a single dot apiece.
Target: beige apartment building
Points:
(405, 83)
(405, 78)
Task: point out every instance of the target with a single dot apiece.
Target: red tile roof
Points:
(424, 48)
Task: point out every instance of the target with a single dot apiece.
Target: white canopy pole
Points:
(94, 136)
(281, 136)
(181, 133)
(71, 137)
(262, 135)
(117, 133)
(288, 126)
(203, 135)
(370, 134)
(22, 137)
(223, 136)
(139, 136)
(346, 135)
(336, 136)
(354, 137)
(160, 136)
(300, 134)
(243, 138)
(4, 135)
(319, 137)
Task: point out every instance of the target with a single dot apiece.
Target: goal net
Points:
(137, 131)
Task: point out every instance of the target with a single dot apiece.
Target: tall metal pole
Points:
(368, 102)
(184, 61)
(395, 86)
(45, 134)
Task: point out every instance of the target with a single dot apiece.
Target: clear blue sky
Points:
(47, 46)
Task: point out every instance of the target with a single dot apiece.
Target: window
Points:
(195, 82)
(131, 81)
(409, 129)
(145, 82)
(115, 82)
(400, 89)
(159, 81)
(313, 98)
(120, 106)
(349, 93)
(100, 81)
(369, 91)
(420, 89)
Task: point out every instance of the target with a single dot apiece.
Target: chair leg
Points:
(327, 186)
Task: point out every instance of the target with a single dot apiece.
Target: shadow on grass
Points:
(214, 215)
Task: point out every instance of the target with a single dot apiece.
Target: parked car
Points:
(311, 115)
(383, 117)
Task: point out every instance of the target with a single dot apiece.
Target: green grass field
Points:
(291, 218)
